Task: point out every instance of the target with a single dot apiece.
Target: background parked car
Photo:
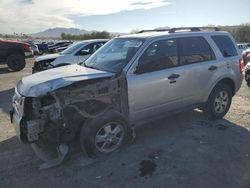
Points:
(34, 48)
(243, 46)
(57, 50)
(76, 53)
(43, 47)
(13, 53)
(52, 49)
(245, 55)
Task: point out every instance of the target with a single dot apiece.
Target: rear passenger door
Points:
(197, 68)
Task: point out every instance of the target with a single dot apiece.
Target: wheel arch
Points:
(222, 80)
(15, 51)
(229, 82)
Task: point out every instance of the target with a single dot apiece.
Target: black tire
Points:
(212, 107)
(40, 52)
(247, 76)
(16, 62)
(93, 127)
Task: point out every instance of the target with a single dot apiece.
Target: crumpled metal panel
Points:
(41, 83)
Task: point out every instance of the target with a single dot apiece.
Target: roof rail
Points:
(193, 29)
(153, 30)
(173, 30)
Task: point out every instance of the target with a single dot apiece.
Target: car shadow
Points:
(5, 70)
(183, 149)
(187, 150)
(6, 99)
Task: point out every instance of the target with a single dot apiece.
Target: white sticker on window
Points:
(132, 44)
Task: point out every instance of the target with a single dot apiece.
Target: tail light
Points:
(26, 47)
(241, 65)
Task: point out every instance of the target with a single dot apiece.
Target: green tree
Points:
(93, 35)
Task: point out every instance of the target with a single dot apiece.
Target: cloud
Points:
(34, 15)
(141, 3)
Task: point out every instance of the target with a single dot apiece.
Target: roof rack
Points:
(173, 30)
(153, 30)
(193, 29)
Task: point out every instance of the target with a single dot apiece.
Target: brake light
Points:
(241, 65)
(25, 47)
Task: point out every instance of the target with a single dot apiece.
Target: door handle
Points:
(173, 76)
(212, 68)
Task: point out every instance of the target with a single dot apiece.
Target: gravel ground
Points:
(184, 150)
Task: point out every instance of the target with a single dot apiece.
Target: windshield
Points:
(72, 48)
(115, 55)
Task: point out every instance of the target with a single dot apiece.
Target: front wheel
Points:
(104, 134)
(16, 62)
(51, 154)
(219, 102)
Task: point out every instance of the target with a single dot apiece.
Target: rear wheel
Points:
(40, 52)
(247, 76)
(104, 134)
(16, 62)
(219, 101)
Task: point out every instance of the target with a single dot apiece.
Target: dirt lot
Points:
(184, 150)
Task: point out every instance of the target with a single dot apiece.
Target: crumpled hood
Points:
(47, 57)
(47, 81)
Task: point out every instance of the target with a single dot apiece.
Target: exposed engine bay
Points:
(51, 121)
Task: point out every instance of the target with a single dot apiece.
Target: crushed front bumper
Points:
(26, 131)
(16, 121)
(16, 114)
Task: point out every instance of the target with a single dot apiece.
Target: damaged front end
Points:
(50, 121)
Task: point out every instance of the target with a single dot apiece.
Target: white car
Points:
(243, 46)
(76, 53)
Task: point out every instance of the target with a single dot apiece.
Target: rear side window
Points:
(194, 49)
(226, 45)
(159, 55)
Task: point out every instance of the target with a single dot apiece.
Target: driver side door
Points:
(152, 87)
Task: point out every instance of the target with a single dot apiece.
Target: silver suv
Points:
(131, 79)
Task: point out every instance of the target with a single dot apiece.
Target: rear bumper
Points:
(29, 54)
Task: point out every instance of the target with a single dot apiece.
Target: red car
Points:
(13, 54)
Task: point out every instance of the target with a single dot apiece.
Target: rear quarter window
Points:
(225, 44)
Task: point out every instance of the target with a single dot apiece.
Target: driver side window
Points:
(90, 49)
(158, 56)
(87, 50)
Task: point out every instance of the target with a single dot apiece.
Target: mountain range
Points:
(56, 32)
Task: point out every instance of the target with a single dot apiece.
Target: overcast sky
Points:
(29, 16)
